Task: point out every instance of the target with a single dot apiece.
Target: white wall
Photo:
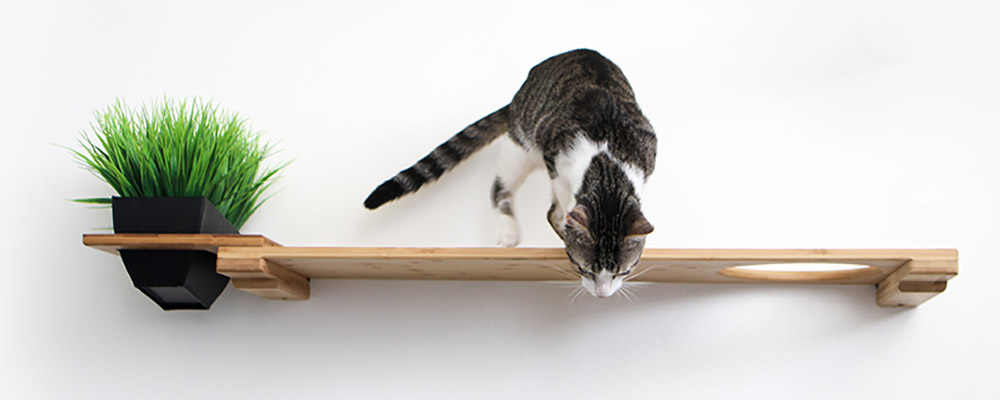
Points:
(782, 124)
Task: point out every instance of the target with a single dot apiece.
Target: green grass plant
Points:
(188, 148)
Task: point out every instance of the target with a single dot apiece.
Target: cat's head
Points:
(604, 244)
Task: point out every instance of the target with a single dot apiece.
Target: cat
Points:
(576, 116)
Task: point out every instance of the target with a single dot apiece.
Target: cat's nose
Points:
(604, 285)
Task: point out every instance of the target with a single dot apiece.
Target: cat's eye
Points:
(621, 274)
(584, 272)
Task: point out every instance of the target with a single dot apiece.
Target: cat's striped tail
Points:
(441, 160)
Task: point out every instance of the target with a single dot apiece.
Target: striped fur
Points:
(441, 160)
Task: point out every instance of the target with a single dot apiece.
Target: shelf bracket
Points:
(263, 278)
(915, 282)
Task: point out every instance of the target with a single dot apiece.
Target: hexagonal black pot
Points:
(174, 279)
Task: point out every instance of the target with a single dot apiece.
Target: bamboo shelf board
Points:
(905, 277)
(156, 241)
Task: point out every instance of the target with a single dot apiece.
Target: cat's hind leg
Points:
(515, 165)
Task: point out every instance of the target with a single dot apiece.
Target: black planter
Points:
(174, 279)
(168, 215)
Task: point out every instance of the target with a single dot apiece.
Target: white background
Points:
(782, 124)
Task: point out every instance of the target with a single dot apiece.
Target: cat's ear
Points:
(577, 218)
(641, 227)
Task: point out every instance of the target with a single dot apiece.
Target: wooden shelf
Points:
(905, 277)
(156, 241)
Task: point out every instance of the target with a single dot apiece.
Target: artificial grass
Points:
(180, 149)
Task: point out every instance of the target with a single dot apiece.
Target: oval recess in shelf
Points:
(801, 272)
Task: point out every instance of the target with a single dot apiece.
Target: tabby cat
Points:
(577, 117)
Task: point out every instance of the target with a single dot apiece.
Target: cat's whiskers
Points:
(636, 284)
(561, 271)
(564, 284)
(628, 294)
(633, 287)
(571, 295)
(629, 278)
(576, 294)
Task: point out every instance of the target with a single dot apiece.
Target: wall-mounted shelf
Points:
(905, 277)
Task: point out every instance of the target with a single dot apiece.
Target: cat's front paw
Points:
(508, 234)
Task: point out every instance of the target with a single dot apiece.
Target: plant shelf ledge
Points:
(904, 277)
